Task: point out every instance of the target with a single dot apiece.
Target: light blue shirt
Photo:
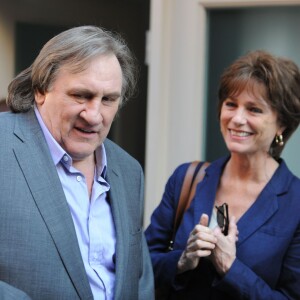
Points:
(92, 216)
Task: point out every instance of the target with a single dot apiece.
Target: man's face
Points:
(79, 108)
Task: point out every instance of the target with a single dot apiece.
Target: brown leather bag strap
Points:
(184, 194)
(192, 177)
(188, 189)
(198, 178)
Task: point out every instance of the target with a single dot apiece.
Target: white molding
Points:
(174, 123)
(6, 52)
(176, 87)
(245, 3)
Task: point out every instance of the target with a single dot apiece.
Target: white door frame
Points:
(176, 54)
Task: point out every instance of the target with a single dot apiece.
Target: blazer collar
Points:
(266, 205)
(259, 213)
(36, 163)
(118, 202)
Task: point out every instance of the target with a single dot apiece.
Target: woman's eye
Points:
(256, 110)
(230, 104)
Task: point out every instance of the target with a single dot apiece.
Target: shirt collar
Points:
(58, 154)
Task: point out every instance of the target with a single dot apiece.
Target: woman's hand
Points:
(224, 253)
(201, 242)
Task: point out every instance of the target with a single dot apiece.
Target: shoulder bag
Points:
(194, 174)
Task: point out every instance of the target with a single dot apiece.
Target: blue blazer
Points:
(268, 250)
(39, 252)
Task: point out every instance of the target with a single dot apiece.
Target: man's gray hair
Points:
(75, 47)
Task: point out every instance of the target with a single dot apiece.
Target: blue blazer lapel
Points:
(36, 163)
(266, 204)
(202, 203)
(258, 214)
(205, 196)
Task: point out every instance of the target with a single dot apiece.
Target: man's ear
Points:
(39, 98)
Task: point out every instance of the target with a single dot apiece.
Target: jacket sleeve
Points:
(159, 232)
(243, 283)
(146, 282)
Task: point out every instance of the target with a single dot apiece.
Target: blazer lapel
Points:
(36, 163)
(258, 214)
(206, 191)
(202, 203)
(266, 205)
(117, 198)
(205, 196)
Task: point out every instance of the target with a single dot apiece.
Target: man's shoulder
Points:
(113, 148)
(117, 154)
(4, 116)
(20, 122)
(7, 119)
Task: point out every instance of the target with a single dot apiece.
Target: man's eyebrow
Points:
(81, 90)
(89, 92)
(113, 94)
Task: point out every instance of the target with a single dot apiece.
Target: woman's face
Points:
(248, 124)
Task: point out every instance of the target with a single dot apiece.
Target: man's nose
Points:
(92, 112)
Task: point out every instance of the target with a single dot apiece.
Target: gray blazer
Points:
(39, 252)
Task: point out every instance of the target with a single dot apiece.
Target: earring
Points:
(279, 140)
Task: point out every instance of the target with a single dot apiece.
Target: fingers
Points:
(233, 230)
(200, 243)
(204, 220)
(202, 226)
(217, 231)
(201, 240)
(198, 253)
(201, 237)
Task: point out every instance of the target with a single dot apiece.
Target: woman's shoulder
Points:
(285, 182)
(285, 174)
(181, 169)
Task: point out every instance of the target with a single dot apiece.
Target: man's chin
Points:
(81, 155)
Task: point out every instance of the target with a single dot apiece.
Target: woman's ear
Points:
(281, 130)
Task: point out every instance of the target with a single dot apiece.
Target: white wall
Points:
(175, 93)
(6, 52)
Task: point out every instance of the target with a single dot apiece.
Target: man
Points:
(71, 200)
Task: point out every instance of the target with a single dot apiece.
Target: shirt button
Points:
(66, 158)
(78, 178)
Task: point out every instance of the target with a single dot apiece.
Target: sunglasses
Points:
(223, 217)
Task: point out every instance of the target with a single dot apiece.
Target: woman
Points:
(259, 257)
